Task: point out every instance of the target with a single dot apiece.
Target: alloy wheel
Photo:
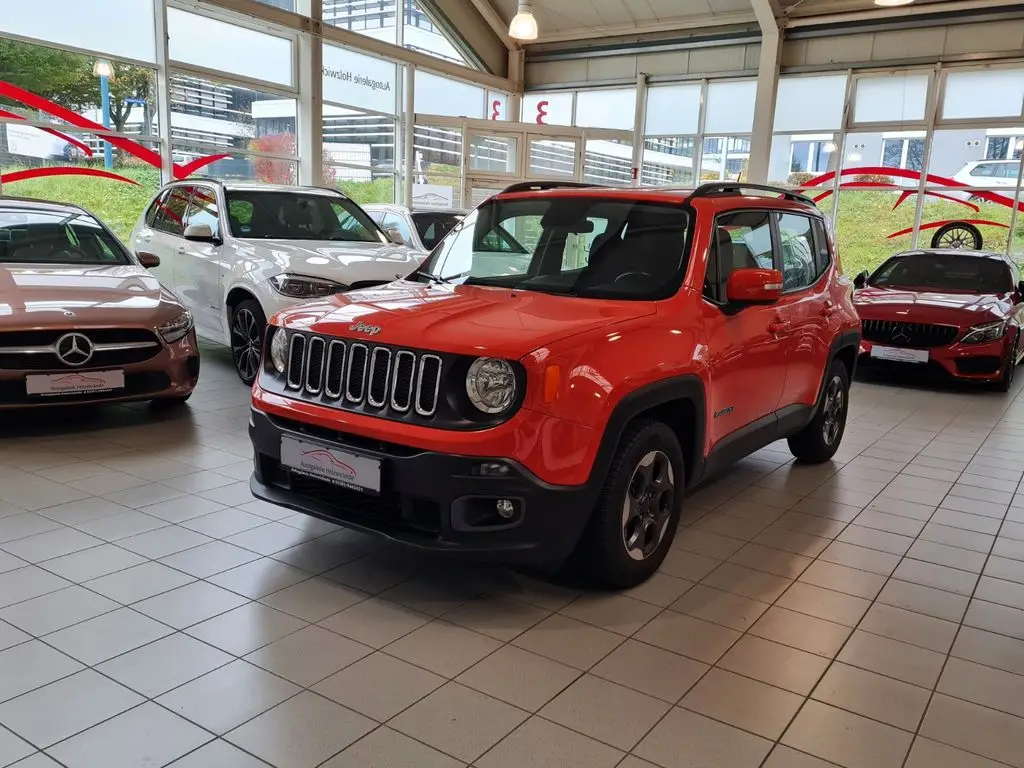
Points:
(246, 343)
(648, 505)
(835, 402)
(956, 237)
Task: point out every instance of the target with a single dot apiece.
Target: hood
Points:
(37, 296)
(461, 319)
(961, 309)
(344, 262)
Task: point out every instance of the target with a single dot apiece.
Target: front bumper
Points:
(173, 372)
(429, 501)
(966, 362)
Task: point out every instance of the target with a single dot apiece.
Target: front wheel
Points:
(1006, 379)
(247, 326)
(634, 522)
(819, 440)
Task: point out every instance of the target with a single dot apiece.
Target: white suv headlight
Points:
(302, 287)
(176, 328)
(279, 349)
(982, 334)
(491, 385)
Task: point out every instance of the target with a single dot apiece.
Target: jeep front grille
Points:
(353, 373)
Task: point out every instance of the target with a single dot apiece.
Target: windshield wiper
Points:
(439, 278)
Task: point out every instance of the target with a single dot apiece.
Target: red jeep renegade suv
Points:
(566, 363)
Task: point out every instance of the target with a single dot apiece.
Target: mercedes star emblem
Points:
(899, 335)
(74, 349)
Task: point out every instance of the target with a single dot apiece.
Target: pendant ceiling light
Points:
(524, 25)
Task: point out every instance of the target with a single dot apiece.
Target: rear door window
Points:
(172, 210)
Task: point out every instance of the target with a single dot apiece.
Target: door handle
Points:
(145, 236)
(181, 249)
(777, 327)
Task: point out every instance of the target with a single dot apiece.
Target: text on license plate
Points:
(899, 354)
(74, 383)
(330, 464)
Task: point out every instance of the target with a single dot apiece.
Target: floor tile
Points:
(301, 732)
(385, 748)
(689, 636)
(824, 604)
(605, 711)
(538, 743)
(309, 655)
(162, 542)
(379, 686)
(257, 577)
(38, 760)
(841, 578)
(645, 668)
(995, 618)
(190, 604)
(51, 544)
(246, 628)
(11, 636)
(146, 735)
(313, 599)
(107, 636)
(974, 728)
(931, 754)
(138, 582)
(937, 603)
(208, 559)
(56, 610)
(93, 563)
(999, 651)
(873, 695)
(779, 665)
(720, 607)
(228, 696)
(518, 677)
(798, 630)
(224, 522)
(744, 703)
(121, 525)
(165, 664)
(622, 615)
(747, 582)
(375, 622)
(218, 754)
(989, 687)
(459, 721)
(787, 757)
(26, 583)
(685, 739)
(63, 708)
(269, 538)
(909, 627)
(909, 663)
(847, 739)
(13, 748)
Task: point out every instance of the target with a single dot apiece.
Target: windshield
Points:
(583, 246)
(433, 226)
(56, 237)
(298, 216)
(944, 272)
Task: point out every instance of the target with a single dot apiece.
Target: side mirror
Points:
(754, 286)
(395, 236)
(861, 280)
(201, 233)
(1020, 288)
(147, 259)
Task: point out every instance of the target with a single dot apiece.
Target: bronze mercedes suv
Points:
(81, 318)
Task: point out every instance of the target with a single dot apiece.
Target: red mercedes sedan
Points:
(958, 309)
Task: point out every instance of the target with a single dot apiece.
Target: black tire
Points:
(612, 552)
(958, 234)
(164, 403)
(248, 324)
(1005, 381)
(819, 440)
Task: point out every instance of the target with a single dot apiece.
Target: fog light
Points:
(491, 469)
(506, 508)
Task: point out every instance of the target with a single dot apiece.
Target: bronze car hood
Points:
(38, 296)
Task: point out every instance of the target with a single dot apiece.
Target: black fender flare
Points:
(849, 339)
(689, 387)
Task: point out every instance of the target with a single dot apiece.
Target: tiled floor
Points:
(867, 614)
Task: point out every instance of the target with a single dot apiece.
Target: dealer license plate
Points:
(332, 465)
(74, 383)
(899, 354)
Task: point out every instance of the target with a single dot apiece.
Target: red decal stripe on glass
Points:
(70, 140)
(936, 224)
(62, 170)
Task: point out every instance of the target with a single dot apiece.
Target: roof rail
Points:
(720, 187)
(539, 186)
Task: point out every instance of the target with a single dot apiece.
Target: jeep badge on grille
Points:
(361, 327)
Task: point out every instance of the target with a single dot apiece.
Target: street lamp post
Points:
(105, 71)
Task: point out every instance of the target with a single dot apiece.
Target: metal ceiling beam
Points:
(497, 24)
(635, 30)
(901, 12)
(767, 12)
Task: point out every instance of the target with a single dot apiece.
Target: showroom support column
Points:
(409, 125)
(639, 126)
(163, 91)
(767, 87)
(517, 76)
(310, 119)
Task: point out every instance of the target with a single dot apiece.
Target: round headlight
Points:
(491, 385)
(279, 350)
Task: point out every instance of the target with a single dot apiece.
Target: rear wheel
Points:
(247, 326)
(957, 235)
(818, 441)
(634, 522)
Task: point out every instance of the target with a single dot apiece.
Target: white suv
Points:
(989, 173)
(237, 253)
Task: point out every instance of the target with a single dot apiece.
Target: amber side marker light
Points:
(552, 378)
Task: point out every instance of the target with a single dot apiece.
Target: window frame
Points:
(217, 233)
(171, 190)
(772, 228)
(776, 216)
